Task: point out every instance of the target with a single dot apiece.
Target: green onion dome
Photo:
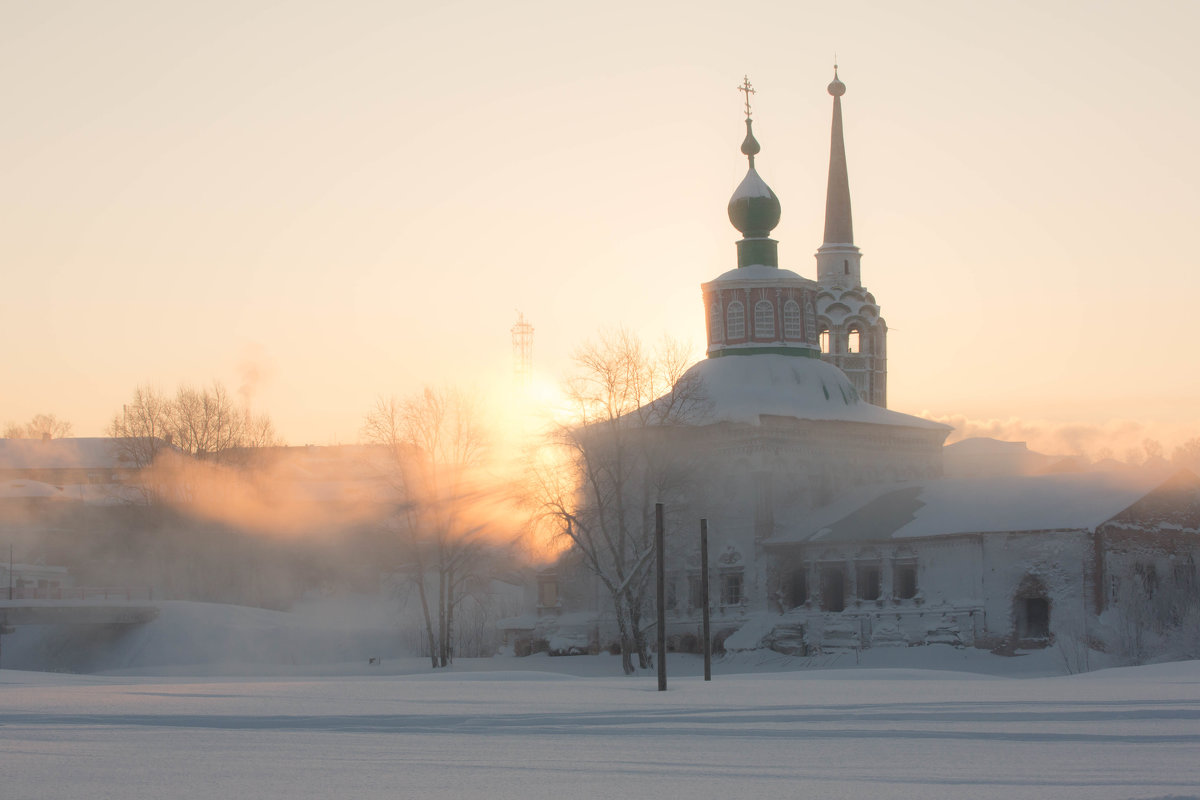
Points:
(754, 209)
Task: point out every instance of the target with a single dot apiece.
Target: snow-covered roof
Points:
(987, 445)
(743, 388)
(81, 453)
(27, 569)
(760, 272)
(24, 489)
(972, 505)
(980, 456)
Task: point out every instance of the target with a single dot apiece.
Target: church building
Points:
(829, 519)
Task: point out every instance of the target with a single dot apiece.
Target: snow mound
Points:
(206, 638)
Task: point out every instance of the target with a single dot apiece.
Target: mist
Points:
(1127, 440)
(350, 536)
(326, 532)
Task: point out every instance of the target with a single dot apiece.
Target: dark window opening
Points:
(1033, 620)
(904, 581)
(798, 594)
(1148, 574)
(672, 598)
(869, 585)
(846, 266)
(833, 589)
(731, 588)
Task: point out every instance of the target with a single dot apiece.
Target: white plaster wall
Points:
(1060, 559)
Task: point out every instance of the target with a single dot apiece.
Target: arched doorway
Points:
(1031, 611)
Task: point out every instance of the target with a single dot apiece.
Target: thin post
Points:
(661, 592)
(707, 634)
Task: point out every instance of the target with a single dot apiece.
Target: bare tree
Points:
(437, 450)
(203, 423)
(1187, 455)
(1157, 615)
(614, 460)
(42, 426)
(143, 427)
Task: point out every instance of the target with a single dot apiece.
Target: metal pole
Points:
(660, 591)
(707, 634)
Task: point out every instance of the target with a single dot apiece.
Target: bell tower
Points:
(852, 335)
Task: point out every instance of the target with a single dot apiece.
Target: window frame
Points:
(793, 321)
(716, 330)
(735, 326)
(728, 579)
(764, 319)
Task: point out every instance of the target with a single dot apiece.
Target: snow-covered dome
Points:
(743, 389)
(757, 273)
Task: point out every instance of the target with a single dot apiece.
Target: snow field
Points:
(212, 701)
(853, 733)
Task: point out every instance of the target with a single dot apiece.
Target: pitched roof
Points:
(81, 453)
(970, 505)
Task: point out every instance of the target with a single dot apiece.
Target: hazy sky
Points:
(327, 202)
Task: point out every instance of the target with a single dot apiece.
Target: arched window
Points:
(792, 328)
(824, 336)
(714, 323)
(854, 341)
(764, 320)
(735, 320)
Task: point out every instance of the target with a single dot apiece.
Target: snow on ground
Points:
(846, 734)
(927, 722)
(338, 638)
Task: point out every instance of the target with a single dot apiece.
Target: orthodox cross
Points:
(745, 87)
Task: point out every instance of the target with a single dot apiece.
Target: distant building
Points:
(982, 457)
(991, 562)
(32, 581)
(65, 462)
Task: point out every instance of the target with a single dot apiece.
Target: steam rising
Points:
(1121, 439)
